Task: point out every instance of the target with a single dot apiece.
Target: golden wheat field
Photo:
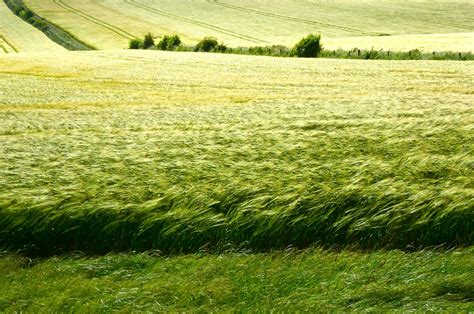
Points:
(110, 24)
(18, 36)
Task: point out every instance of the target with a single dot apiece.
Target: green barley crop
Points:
(180, 152)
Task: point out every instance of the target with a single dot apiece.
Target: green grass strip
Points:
(290, 281)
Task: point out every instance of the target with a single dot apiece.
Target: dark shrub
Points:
(308, 47)
(25, 14)
(169, 43)
(207, 44)
(135, 44)
(148, 41)
(220, 48)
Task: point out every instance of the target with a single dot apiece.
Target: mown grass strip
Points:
(284, 281)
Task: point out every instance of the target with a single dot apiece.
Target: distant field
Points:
(145, 149)
(18, 36)
(110, 24)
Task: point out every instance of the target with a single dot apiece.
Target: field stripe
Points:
(198, 23)
(94, 20)
(9, 45)
(289, 18)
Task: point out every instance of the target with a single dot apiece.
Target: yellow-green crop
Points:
(127, 150)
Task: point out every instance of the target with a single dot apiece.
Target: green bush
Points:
(135, 44)
(25, 14)
(169, 43)
(148, 41)
(308, 47)
(220, 48)
(207, 44)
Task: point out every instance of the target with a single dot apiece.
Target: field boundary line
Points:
(10, 45)
(289, 18)
(194, 22)
(94, 20)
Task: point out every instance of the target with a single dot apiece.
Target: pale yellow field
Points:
(159, 78)
(18, 36)
(109, 24)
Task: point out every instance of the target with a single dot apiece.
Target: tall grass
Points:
(309, 152)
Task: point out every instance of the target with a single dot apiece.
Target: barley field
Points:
(389, 24)
(18, 36)
(190, 150)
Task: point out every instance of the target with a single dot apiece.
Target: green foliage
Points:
(308, 47)
(207, 44)
(25, 14)
(396, 55)
(290, 281)
(148, 41)
(135, 44)
(169, 43)
(221, 48)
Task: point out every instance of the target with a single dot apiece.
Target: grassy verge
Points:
(55, 33)
(311, 280)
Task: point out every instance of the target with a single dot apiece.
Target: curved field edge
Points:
(311, 280)
(52, 31)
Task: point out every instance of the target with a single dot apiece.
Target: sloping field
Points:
(124, 150)
(110, 23)
(18, 36)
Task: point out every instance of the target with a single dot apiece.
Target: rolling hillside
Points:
(18, 36)
(110, 24)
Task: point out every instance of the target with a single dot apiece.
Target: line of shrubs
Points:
(26, 15)
(174, 43)
(308, 47)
